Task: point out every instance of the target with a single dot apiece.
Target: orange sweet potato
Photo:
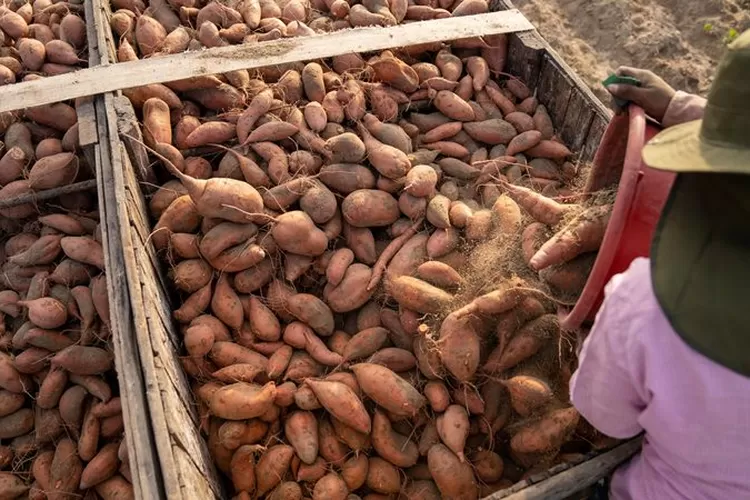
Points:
(454, 479)
(419, 295)
(546, 434)
(241, 400)
(399, 450)
(388, 389)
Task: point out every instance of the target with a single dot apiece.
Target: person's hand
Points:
(654, 94)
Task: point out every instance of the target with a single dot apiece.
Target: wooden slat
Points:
(577, 122)
(593, 138)
(109, 78)
(525, 52)
(574, 479)
(145, 474)
(554, 90)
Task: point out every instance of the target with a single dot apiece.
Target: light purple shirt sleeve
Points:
(607, 389)
(683, 108)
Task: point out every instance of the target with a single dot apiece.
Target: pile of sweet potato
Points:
(158, 27)
(346, 240)
(61, 423)
(41, 38)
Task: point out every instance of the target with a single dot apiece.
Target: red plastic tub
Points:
(641, 195)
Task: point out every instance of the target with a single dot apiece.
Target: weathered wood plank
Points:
(108, 78)
(577, 121)
(48, 194)
(593, 138)
(146, 475)
(568, 482)
(87, 130)
(525, 51)
(130, 133)
(554, 90)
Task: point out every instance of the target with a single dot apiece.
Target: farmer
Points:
(669, 352)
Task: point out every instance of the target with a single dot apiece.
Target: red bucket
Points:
(641, 195)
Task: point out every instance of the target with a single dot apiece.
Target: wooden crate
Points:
(182, 463)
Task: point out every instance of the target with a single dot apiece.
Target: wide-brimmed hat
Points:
(700, 255)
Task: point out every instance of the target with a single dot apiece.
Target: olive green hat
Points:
(700, 255)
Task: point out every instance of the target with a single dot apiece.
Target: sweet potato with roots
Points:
(583, 234)
(524, 344)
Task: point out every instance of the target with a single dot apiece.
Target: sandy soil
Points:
(681, 40)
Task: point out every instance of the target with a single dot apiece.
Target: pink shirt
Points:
(636, 374)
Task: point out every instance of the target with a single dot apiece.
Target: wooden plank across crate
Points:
(109, 78)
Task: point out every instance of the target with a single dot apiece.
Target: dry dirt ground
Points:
(681, 40)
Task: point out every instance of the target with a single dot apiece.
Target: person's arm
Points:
(683, 108)
(607, 389)
(660, 101)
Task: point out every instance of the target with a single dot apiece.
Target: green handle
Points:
(621, 80)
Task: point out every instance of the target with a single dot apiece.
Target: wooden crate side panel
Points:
(525, 52)
(183, 454)
(141, 448)
(578, 115)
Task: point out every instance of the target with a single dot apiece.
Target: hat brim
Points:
(699, 264)
(681, 149)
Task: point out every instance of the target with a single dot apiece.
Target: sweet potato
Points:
(453, 429)
(301, 430)
(240, 401)
(388, 389)
(46, 312)
(11, 485)
(547, 433)
(459, 347)
(438, 211)
(225, 354)
(83, 249)
(442, 242)
(272, 467)
(390, 162)
(418, 295)
(16, 424)
(83, 360)
(103, 466)
(454, 479)
(528, 394)
(399, 450)
(341, 402)
(296, 232)
(115, 488)
(352, 292)
(549, 149)
(53, 171)
(439, 274)
(583, 234)
(66, 469)
(526, 342)
(10, 402)
(452, 106)
(12, 164)
(242, 467)
(149, 35)
(365, 343)
(369, 208)
(488, 465)
(330, 486)
(394, 358)
(541, 208)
